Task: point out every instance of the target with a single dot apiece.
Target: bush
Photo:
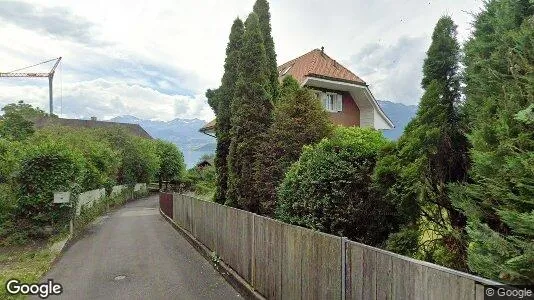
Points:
(171, 162)
(202, 181)
(45, 169)
(101, 162)
(329, 188)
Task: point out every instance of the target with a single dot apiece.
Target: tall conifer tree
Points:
(251, 116)
(220, 100)
(299, 120)
(261, 8)
(433, 152)
(499, 202)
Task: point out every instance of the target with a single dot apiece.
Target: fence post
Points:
(253, 271)
(343, 267)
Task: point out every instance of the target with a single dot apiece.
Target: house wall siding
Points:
(350, 116)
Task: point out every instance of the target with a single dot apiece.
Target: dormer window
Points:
(332, 102)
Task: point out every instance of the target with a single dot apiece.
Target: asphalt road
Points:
(137, 243)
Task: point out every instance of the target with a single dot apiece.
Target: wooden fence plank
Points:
(267, 257)
(369, 274)
(354, 271)
(291, 262)
(384, 276)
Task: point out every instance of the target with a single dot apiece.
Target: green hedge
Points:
(330, 188)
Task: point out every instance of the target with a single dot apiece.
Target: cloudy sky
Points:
(154, 59)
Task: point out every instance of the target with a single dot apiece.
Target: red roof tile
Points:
(317, 64)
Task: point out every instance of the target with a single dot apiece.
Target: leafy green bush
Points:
(138, 158)
(329, 188)
(171, 162)
(101, 162)
(202, 181)
(45, 169)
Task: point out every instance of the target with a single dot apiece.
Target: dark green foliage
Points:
(251, 116)
(14, 127)
(25, 110)
(213, 100)
(225, 95)
(171, 162)
(431, 154)
(57, 158)
(138, 161)
(261, 8)
(404, 242)
(329, 188)
(9, 159)
(17, 122)
(100, 162)
(201, 181)
(299, 120)
(44, 169)
(499, 201)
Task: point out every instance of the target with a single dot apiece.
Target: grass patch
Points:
(26, 263)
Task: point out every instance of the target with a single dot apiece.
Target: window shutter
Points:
(339, 103)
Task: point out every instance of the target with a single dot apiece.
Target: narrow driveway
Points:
(133, 253)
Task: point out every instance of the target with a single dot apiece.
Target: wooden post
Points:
(343, 267)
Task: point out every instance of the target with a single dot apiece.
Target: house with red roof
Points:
(345, 96)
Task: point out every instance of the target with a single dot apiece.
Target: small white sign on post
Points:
(61, 197)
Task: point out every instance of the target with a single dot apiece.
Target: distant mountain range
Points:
(184, 132)
(400, 115)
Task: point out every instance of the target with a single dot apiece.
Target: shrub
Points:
(299, 120)
(45, 169)
(329, 188)
(101, 162)
(171, 162)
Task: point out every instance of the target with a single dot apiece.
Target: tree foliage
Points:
(57, 158)
(221, 99)
(431, 154)
(261, 9)
(17, 122)
(251, 111)
(499, 201)
(330, 188)
(44, 169)
(299, 120)
(171, 162)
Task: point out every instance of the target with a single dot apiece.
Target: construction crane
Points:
(50, 75)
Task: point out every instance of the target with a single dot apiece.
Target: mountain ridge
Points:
(185, 134)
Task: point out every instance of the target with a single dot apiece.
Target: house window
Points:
(332, 102)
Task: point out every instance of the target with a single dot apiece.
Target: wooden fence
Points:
(282, 261)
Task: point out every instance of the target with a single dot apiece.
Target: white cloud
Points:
(107, 99)
(393, 71)
(150, 59)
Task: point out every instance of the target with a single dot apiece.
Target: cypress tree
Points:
(432, 152)
(220, 100)
(499, 202)
(261, 8)
(298, 120)
(251, 116)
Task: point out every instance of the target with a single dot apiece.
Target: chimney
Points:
(93, 118)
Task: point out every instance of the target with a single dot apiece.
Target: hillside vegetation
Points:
(36, 163)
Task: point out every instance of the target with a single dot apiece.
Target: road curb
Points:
(239, 284)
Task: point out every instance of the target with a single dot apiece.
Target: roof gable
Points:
(317, 64)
